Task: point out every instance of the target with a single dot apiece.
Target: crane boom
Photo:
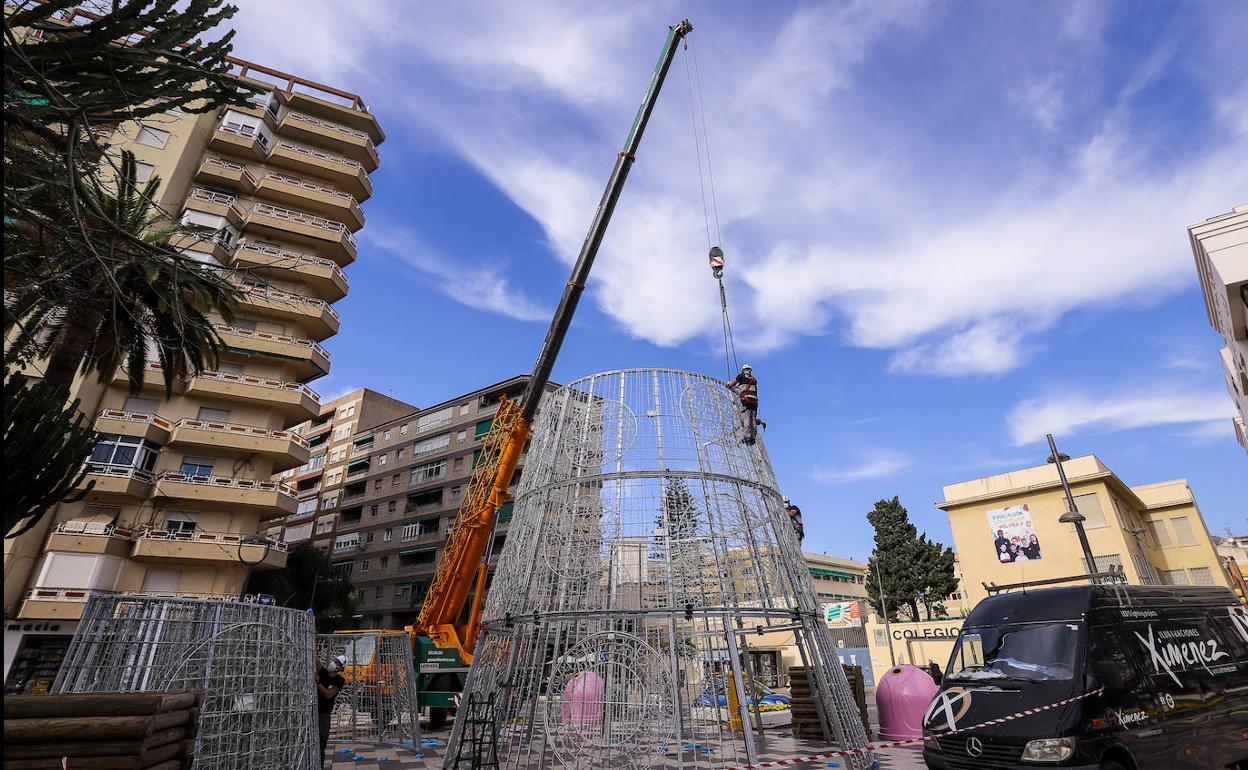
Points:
(461, 566)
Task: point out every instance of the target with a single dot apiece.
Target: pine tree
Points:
(891, 562)
(937, 577)
(676, 524)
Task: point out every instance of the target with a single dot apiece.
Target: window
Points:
(428, 497)
(429, 446)
(1090, 507)
(162, 581)
(347, 541)
(152, 137)
(383, 562)
(143, 171)
(394, 480)
(229, 367)
(337, 455)
(398, 454)
(372, 510)
(461, 436)
(1201, 576)
(341, 432)
(364, 565)
(387, 535)
(456, 492)
(347, 411)
(180, 521)
(401, 590)
(377, 483)
(434, 420)
(402, 430)
(377, 592)
(329, 501)
(1183, 530)
(391, 506)
(368, 537)
(141, 405)
(459, 463)
(483, 428)
(247, 125)
(463, 409)
(385, 435)
(428, 472)
(381, 459)
(78, 570)
(127, 451)
(1174, 577)
(1160, 535)
(324, 525)
(214, 415)
(243, 323)
(306, 506)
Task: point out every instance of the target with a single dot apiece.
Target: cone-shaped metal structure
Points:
(648, 544)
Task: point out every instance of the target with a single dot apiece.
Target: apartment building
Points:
(1220, 247)
(402, 485)
(1006, 528)
(1233, 552)
(318, 482)
(184, 481)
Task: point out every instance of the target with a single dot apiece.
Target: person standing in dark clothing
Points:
(747, 388)
(329, 682)
(795, 516)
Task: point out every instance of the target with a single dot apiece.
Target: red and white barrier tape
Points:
(894, 744)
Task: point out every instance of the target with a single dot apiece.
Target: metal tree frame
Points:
(647, 545)
(253, 662)
(378, 703)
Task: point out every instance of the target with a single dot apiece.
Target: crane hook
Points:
(716, 256)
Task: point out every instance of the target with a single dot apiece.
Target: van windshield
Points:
(1034, 652)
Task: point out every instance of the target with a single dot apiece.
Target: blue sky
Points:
(950, 228)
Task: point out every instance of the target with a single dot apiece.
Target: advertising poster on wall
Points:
(1013, 536)
(843, 615)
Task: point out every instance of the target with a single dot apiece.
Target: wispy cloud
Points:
(1067, 413)
(484, 286)
(870, 464)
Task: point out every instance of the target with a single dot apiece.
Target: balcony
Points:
(322, 276)
(312, 313)
(216, 203)
(220, 171)
(152, 427)
(74, 537)
(352, 142)
(273, 498)
(286, 449)
(240, 140)
(298, 402)
(201, 546)
(67, 603)
(153, 376)
(316, 197)
(309, 358)
(333, 238)
(119, 481)
(346, 174)
(201, 239)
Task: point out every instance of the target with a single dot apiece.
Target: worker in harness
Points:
(795, 516)
(747, 387)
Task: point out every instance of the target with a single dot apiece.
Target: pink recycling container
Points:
(582, 699)
(902, 696)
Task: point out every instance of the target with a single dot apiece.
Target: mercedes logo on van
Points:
(974, 746)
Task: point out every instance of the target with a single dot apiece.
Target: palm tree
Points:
(106, 300)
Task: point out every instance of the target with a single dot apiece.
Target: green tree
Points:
(109, 312)
(309, 581)
(934, 566)
(45, 444)
(891, 562)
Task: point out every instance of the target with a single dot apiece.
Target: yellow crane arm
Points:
(463, 559)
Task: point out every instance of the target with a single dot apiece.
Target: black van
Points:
(1172, 662)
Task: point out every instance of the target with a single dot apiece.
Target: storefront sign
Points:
(945, 632)
(842, 615)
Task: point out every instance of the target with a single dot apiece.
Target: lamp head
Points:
(1072, 517)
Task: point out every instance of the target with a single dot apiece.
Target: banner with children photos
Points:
(1013, 537)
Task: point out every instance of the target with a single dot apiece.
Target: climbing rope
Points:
(697, 110)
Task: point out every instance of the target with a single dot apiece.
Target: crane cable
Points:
(697, 109)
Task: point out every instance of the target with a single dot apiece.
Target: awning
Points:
(415, 551)
(96, 521)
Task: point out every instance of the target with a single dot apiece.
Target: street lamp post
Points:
(888, 634)
(1072, 515)
(251, 540)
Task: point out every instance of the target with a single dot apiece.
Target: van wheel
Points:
(1112, 764)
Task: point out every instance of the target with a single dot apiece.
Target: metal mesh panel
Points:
(378, 703)
(253, 663)
(648, 542)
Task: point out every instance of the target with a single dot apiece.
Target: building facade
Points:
(1220, 246)
(181, 479)
(1006, 528)
(402, 484)
(1233, 553)
(318, 482)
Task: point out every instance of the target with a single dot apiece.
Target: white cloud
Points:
(873, 464)
(838, 212)
(1066, 413)
(480, 286)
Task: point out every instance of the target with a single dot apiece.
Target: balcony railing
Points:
(260, 382)
(330, 126)
(308, 184)
(329, 157)
(138, 417)
(201, 536)
(264, 292)
(241, 430)
(121, 472)
(82, 594)
(212, 196)
(94, 530)
(270, 336)
(263, 485)
(228, 165)
(303, 218)
(292, 259)
(248, 132)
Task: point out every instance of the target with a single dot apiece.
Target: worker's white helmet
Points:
(786, 500)
(747, 368)
(338, 663)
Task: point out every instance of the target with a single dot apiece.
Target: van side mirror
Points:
(1108, 674)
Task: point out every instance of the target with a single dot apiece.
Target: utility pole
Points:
(1072, 515)
(888, 634)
